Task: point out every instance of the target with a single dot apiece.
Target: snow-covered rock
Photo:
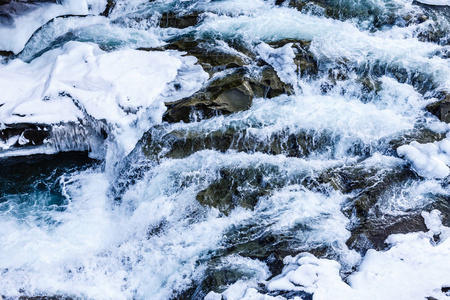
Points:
(428, 160)
(122, 91)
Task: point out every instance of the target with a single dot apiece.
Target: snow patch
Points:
(282, 60)
(428, 160)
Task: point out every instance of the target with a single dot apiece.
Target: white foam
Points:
(157, 242)
(97, 250)
(345, 120)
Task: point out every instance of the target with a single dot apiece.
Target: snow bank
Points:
(124, 90)
(15, 36)
(428, 160)
(414, 267)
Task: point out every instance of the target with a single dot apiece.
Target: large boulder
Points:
(222, 96)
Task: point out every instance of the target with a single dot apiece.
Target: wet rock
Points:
(373, 232)
(370, 84)
(434, 34)
(267, 84)
(441, 109)
(222, 96)
(234, 188)
(441, 203)
(233, 91)
(109, 8)
(422, 136)
(298, 4)
(219, 276)
(263, 82)
(171, 19)
(366, 186)
(369, 186)
(413, 19)
(209, 56)
(179, 144)
(374, 187)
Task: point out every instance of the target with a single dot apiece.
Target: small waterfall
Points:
(78, 137)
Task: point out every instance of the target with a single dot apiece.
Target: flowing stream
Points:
(225, 149)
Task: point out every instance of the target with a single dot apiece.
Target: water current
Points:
(225, 149)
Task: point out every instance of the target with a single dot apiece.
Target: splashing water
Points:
(331, 184)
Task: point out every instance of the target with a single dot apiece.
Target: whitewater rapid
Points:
(335, 189)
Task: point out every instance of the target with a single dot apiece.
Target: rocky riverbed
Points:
(206, 149)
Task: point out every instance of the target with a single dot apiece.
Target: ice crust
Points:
(415, 266)
(123, 90)
(13, 38)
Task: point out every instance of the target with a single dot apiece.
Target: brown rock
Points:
(441, 109)
(170, 19)
(223, 96)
